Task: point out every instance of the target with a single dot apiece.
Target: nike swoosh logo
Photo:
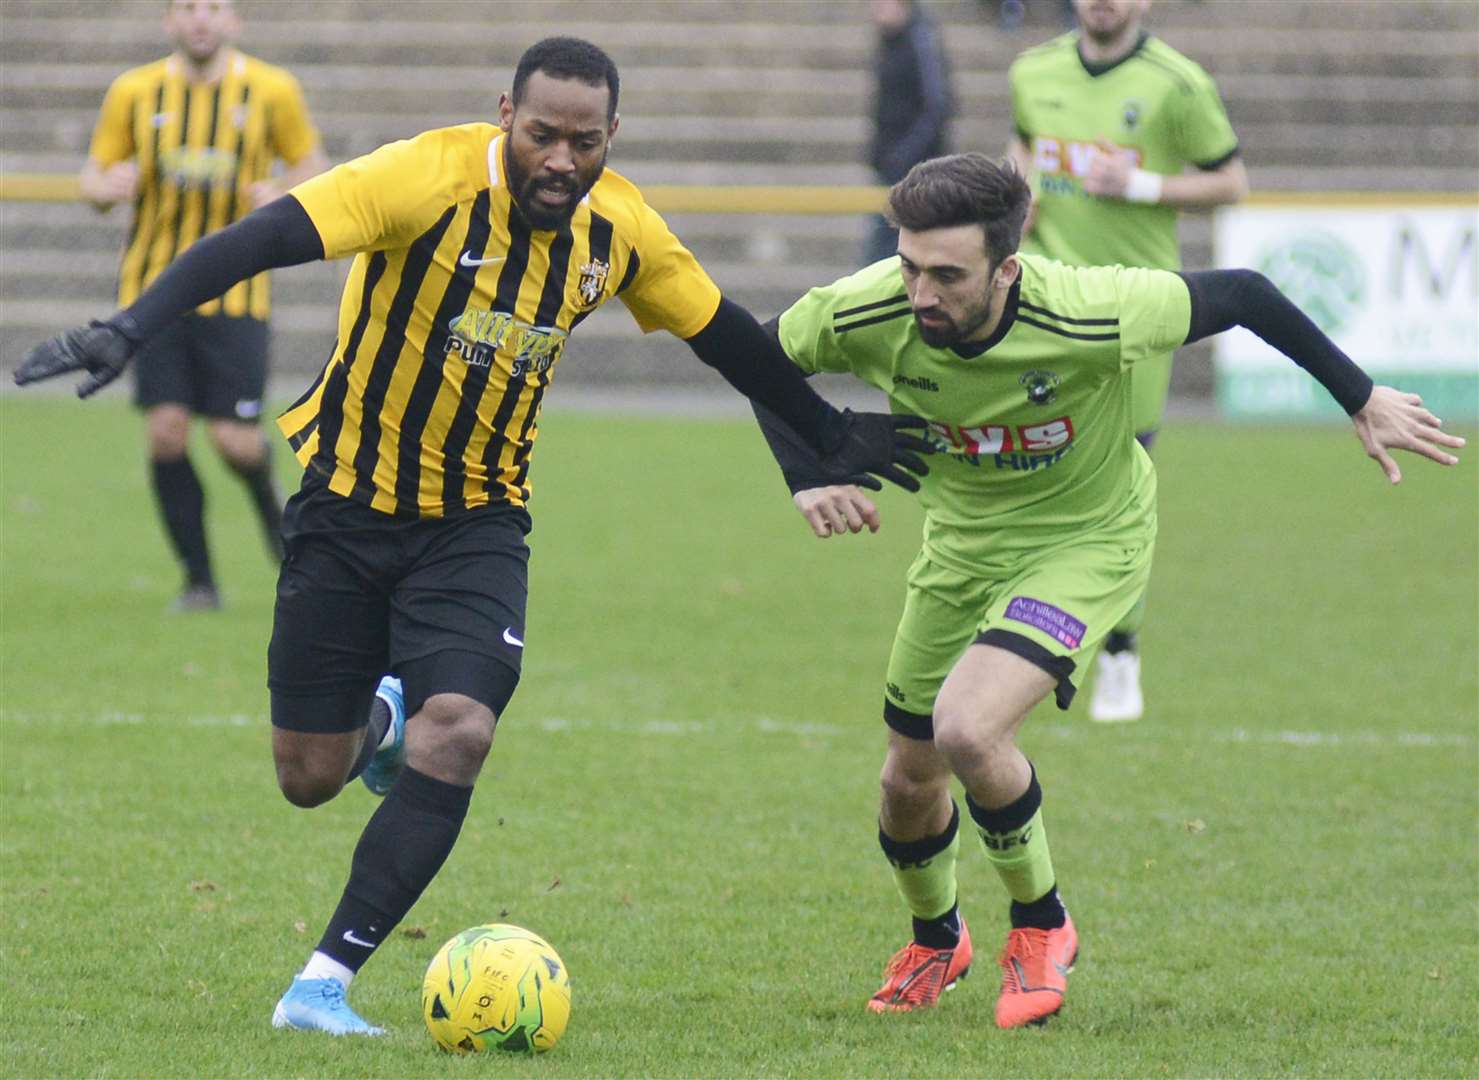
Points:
(468, 260)
(508, 636)
(363, 944)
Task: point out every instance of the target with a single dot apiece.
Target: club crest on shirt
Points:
(592, 281)
(1041, 386)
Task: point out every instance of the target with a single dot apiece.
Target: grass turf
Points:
(1275, 873)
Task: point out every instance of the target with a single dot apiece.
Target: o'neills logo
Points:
(918, 382)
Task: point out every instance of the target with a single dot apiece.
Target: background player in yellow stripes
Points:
(190, 141)
(477, 250)
(1108, 121)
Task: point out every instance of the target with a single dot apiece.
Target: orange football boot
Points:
(1035, 965)
(916, 976)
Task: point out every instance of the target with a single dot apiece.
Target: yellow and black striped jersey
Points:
(455, 314)
(198, 146)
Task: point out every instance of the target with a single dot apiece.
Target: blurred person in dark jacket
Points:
(912, 103)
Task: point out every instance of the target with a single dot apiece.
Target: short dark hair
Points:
(964, 189)
(568, 58)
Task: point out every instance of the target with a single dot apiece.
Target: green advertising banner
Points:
(1396, 286)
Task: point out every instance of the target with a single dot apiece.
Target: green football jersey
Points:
(1154, 103)
(1034, 433)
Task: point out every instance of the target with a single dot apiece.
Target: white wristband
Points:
(1144, 187)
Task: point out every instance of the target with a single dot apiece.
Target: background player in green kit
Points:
(1040, 519)
(1108, 120)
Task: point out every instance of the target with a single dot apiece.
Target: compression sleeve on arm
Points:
(737, 347)
(279, 234)
(1222, 299)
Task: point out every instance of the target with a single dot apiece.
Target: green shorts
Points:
(1150, 385)
(1053, 609)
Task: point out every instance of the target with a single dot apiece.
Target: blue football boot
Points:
(319, 1005)
(380, 774)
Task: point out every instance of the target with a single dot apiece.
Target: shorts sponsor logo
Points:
(1053, 621)
(895, 692)
(249, 408)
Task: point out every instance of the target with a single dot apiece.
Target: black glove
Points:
(99, 348)
(861, 443)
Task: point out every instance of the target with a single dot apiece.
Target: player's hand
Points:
(99, 349)
(262, 192)
(119, 182)
(877, 443)
(836, 509)
(1109, 174)
(1392, 420)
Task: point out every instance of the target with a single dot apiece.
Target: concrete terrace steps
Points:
(1325, 95)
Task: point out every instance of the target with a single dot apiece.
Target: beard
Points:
(942, 335)
(525, 189)
(1104, 27)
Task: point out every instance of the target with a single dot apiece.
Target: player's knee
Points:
(906, 791)
(452, 728)
(965, 735)
(168, 444)
(241, 445)
(305, 786)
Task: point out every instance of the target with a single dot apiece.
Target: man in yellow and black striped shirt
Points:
(190, 141)
(477, 251)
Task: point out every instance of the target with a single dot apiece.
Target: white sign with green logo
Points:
(1396, 287)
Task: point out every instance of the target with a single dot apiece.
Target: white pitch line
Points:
(768, 725)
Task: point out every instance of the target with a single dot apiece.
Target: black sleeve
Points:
(751, 361)
(1222, 299)
(799, 463)
(279, 234)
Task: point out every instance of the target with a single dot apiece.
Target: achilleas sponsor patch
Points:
(1053, 621)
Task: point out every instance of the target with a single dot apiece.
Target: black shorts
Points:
(214, 365)
(437, 601)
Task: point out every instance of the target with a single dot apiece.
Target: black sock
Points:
(1013, 815)
(942, 932)
(1046, 912)
(379, 722)
(403, 846)
(182, 506)
(1117, 642)
(265, 499)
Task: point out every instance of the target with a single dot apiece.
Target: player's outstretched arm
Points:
(280, 234)
(1392, 420)
(843, 444)
(1385, 418)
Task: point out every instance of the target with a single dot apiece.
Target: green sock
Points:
(1017, 843)
(924, 870)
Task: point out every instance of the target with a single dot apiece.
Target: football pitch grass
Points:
(1275, 873)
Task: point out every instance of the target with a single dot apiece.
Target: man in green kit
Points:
(1108, 121)
(1040, 520)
